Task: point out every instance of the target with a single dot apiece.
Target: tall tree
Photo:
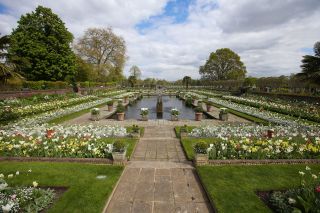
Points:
(132, 80)
(224, 64)
(311, 65)
(186, 81)
(42, 40)
(135, 71)
(7, 69)
(103, 49)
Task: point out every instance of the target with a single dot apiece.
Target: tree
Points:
(104, 50)
(42, 43)
(135, 71)
(186, 81)
(85, 71)
(7, 70)
(224, 64)
(311, 65)
(132, 80)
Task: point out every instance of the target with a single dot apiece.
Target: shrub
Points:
(120, 108)
(198, 109)
(188, 102)
(110, 103)
(135, 128)
(119, 146)
(201, 147)
(95, 111)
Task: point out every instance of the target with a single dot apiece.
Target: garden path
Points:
(159, 179)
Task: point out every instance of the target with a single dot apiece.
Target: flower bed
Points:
(298, 109)
(23, 199)
(252, 142)
(58, 141)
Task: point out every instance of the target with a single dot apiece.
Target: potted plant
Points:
(144, 112)
(95, 114)
(184, 131)
(135, 131)
(175, 114)
(110, 105)
(188, 101)
(201, 153)
(223, 115)
(209, 106)
(270, 133)
(119, 151)
(198, 113)
(126, 98)
(120, 111)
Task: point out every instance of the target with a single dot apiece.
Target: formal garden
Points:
(77, 135)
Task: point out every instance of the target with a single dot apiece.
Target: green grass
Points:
(74, 115)
(232, 188)
(188, 144)
(243, 115)
(85, 193)
(178, 128)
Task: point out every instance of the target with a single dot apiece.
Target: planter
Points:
(135, 134)
(95, 117)
(144, 117)
(119, 157)
(183, 134)
(209, 108)
(198, 116)
(120, 116)
(110, 108)
(223, 116)
(201, 159)
(174, 117)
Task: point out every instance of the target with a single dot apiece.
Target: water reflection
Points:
(168, 102)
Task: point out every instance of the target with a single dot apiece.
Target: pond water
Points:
(168, 102)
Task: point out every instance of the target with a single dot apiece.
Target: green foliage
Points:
(201, 147)
(198, 109)
(119, 146)
(132, 80)
(120, 108)
(223, 64)
(186, 81)
(311, 65)
(110, 103)
(42, 40)
(189, 102)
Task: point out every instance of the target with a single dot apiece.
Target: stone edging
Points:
(49, 159)
(262, 162)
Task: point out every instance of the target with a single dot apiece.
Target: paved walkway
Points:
(158, 179)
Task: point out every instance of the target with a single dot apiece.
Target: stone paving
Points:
(160, 182)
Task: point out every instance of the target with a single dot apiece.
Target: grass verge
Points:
(85, 192)
(232, 188)
(74, 115)
(243, 115)
(188, 144)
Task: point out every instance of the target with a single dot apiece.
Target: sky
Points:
(169, 39)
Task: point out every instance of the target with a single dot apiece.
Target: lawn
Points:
(232, 188)
(85, 192)
(188, 144)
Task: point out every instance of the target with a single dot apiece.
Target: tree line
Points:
(42, 48)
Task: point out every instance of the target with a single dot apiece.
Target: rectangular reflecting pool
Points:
(168, 102)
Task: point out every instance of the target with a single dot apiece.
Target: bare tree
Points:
(102, 48)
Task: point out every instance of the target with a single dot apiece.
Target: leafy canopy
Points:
(42, 39)
(311, 65)
(224, 64)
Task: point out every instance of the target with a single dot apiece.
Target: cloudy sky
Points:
(172, 38)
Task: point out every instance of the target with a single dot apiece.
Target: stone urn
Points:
(223, 115)
(209, 108)
(198, 116)
(144, 117)
(110, 108)
(201, 159)
(120, 116)
(119, 157)
(174, 117)
(95, 117)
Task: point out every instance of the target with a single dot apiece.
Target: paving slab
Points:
(159, 179)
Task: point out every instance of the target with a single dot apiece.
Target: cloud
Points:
(270, 36)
